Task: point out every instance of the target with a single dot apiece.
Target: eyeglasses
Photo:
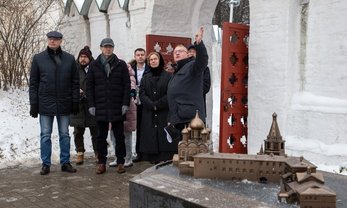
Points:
(180, 51)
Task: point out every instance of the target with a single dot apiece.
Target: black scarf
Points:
(55, 55)
(181, 63)
(156, 71)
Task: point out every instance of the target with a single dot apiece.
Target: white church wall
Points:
(214, 100)
(326, 52)
(318, 113)
(118, 29)
(298, 73)
(98, 28)
(140, 18)
(268, 65)
(74, 29)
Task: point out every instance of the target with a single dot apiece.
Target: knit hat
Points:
(86, 51)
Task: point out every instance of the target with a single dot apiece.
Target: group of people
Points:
(109, 95)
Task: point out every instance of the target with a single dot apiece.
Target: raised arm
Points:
(201, 60)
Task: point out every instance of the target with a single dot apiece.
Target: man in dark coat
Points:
(206, 77)
(83, 119)
(185, 91)
(108, 94)
(140, 69)
(54, 92)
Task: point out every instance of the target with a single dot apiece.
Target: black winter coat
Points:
(83, 118)
(108, 94)
(153, 92)
(185, 90)
(54, 87)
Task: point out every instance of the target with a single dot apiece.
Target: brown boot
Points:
(101, 169)
(120, 168)
(80, 158)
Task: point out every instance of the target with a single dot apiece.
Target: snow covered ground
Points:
(19, 138)
(19, 133)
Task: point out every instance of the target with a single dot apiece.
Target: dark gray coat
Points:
(54, 87)
(83, 118)
(185, 90)
(108, 94)
(153, 92)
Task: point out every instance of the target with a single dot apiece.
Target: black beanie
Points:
(86, 51)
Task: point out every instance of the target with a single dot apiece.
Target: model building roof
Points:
(301, 177)
(274, 133)
(324, 190)
(197, 123)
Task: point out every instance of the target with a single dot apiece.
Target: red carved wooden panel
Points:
(234, 78)
(165, 45)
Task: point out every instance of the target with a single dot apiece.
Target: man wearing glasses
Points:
(185, 89)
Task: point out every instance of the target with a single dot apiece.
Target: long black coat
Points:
(83, 118)
(108, 94)
(54, 87)
(153, 92)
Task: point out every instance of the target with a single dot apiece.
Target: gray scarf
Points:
(106, 63)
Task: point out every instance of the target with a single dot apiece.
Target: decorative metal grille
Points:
(234, 101)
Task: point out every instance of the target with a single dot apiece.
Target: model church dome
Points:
(197, 123)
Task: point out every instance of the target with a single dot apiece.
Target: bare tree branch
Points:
(22, 27)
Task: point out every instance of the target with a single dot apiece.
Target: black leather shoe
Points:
(45, 170)
(67, 167)
(137, 159)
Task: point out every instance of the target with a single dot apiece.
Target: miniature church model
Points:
(195, 139)
(297, 176)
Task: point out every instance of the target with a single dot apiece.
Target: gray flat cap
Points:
(107, 42)
(54, 34)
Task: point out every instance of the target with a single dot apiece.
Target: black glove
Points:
(34, 110)
(133, 93)
(75, 108)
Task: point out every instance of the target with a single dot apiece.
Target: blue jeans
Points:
(46, 124)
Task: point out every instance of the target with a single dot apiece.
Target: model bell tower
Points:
(274, 143)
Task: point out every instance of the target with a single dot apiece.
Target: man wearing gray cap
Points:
(54, 92)
(108, 94)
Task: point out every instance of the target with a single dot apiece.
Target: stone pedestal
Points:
(165, 187)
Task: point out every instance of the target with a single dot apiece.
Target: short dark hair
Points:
(139, 49)
(191, 47)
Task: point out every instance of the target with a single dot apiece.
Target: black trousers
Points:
(79, 139)
(138, 129)
(118, 130)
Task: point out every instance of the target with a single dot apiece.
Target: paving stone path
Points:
(25, 187)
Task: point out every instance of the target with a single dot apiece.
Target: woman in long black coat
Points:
(153, 89)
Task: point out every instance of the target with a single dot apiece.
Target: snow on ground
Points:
(19, 138)
(19, 133)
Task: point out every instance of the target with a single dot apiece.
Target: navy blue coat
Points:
(54, 87)
(185, 89)
(108, 94)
